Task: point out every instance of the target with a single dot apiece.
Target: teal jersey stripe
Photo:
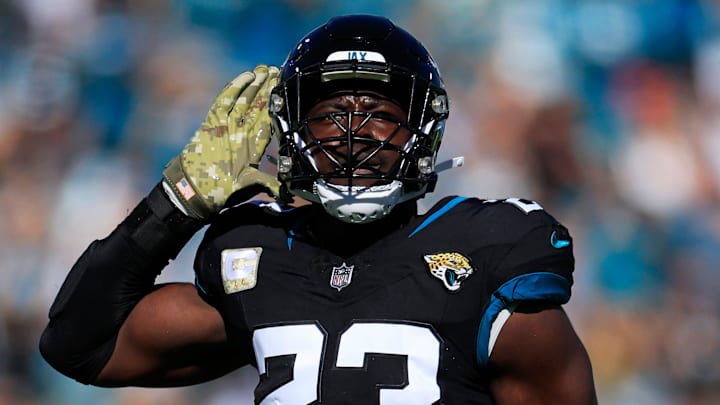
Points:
(437, 214)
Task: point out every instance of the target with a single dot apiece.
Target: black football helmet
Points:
(351, 53)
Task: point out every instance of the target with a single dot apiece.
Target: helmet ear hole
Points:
(440, 104)
(425, 165)
(284, 165)
(276, 103)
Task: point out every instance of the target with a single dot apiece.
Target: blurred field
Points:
(607, 112)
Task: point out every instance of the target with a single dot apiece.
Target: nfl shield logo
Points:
(341, 276)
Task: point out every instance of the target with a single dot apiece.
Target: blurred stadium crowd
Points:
(607, 112)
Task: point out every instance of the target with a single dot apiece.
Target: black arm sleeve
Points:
(106, 283)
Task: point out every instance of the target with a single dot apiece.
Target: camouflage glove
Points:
(224, 154)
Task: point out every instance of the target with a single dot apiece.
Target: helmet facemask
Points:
(351, 157)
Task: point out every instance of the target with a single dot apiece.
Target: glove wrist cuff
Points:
(186, 198)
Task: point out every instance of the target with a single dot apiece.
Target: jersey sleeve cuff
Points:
(541, 286)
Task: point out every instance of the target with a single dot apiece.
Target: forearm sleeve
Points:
(106, 283)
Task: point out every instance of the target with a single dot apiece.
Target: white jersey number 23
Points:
(307, 343)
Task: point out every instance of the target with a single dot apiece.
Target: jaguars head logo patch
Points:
(452, 268)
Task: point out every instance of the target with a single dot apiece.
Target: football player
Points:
(352, 298)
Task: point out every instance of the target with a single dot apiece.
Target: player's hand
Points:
(223, 155)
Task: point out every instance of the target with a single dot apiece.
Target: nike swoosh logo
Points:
(558, 243)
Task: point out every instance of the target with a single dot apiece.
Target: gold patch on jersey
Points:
(452, 268)
(239, 268)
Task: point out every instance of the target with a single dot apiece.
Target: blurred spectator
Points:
(657, 154)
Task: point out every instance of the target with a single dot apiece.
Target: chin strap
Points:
(358, 205)
(457, 161)
(361, 205)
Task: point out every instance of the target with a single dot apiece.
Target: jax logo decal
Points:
(452, 268)
(363, 56)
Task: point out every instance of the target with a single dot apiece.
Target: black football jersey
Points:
(410, 319)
